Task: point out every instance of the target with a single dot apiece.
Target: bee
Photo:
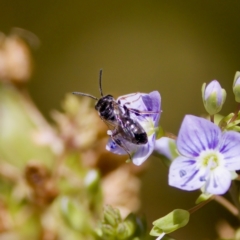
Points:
(123, 127)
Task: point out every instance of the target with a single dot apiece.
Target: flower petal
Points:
(152, 102)
(164, 146)
(185, 174)
(214, 88)
(230, 148)
(197, 134)
(143, 103)
(114, 148)
(144, 151)
(219, 181)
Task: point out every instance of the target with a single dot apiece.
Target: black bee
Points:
(117, 117)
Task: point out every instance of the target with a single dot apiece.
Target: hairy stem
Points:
(200, 205)
(228, 205)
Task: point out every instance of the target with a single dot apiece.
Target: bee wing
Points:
(113, 147)
(145, 104)
(133, 100)
(109, 124)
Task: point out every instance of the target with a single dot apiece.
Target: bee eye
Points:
(112, 118)
(103, 106)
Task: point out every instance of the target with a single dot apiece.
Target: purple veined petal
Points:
(197, 134)
(144, 151)
(114, 148)
(162, 146)
(185, 174)
(143, 102)
(229, 146)
(219, 181)
(155, 105)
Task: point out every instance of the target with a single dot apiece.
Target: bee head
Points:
(104, 106)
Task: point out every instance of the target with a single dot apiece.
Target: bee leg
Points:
(120, 144)
(129, 95)
(138, 112)
(126, 110)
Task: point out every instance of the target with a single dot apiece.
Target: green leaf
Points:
(171, 222)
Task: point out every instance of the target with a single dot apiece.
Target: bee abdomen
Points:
(141, 138)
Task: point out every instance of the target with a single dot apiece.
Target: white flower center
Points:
(210, 159)
(148, 126)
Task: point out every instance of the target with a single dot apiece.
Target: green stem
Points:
(200, 205)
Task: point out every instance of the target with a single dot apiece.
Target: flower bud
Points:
(125, 229)
(111, 216)
(213, 97)
(108, 231)
(236, 86)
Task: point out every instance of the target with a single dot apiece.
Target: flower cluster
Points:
(205, 155)
(57, 179)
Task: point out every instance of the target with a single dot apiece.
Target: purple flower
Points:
(213, 96)
(207, 157)
(147, 115)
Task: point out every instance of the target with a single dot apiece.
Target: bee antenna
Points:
(100, 82)
(85, 94)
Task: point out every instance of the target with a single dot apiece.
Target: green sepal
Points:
(223, 124)
(235, 128)
(125, 229)
(159, 132)
(236, 91)
(111, 216)
(234, 175)
(203, 197)
(171, 222)
(211, 104)
(227, 124)
(108, 231)
(236, 87)
(203, 90)
(237, 75)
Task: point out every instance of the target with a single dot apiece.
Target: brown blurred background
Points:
(169, 46)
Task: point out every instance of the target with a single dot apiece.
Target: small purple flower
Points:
(147, 115)
(213, 96)
(207, 157)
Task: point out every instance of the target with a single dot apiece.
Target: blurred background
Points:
(169, 46)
